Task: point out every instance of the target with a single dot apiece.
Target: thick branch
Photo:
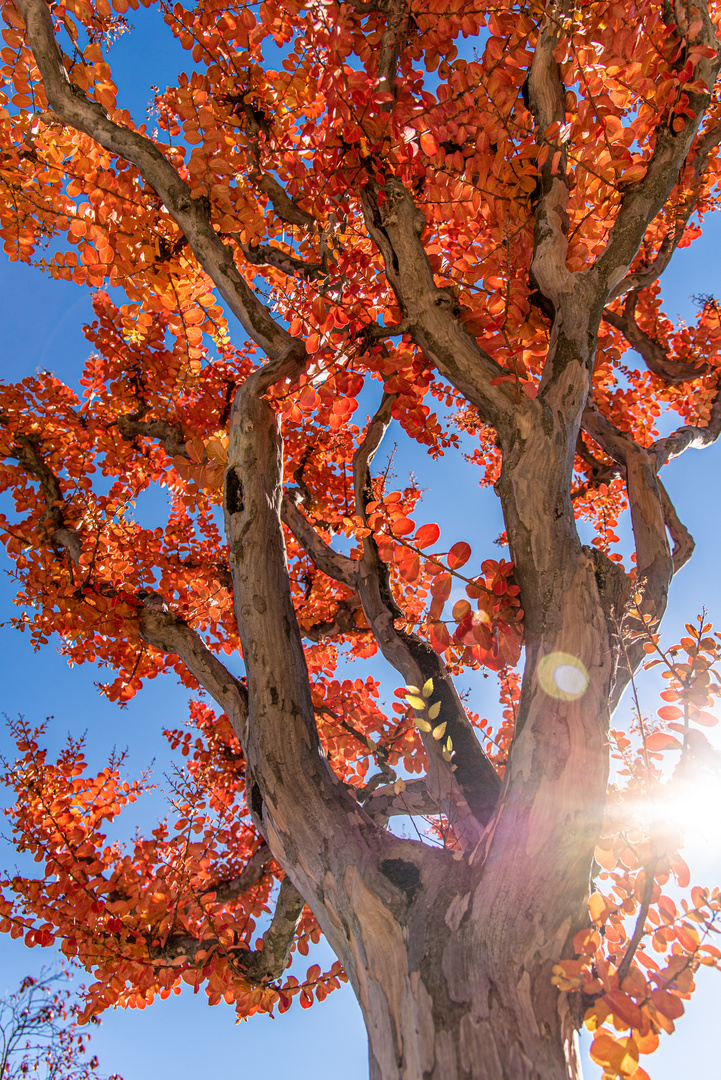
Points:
(286, 766)
(431, 314)
(641, 279)
(546, 100)
(689, 437)
(653, 557)
(282, 203)
(191, 215)
(267, 255)
(332, 563)
(415, 800)
(469, 794)
(172, 437)
(271, 961)
(253, 871)
(31, 460)
(263, 965)
(649, 519)
(643, 199)
(654, 356)
(170, 634)
(391, 46)
(683, 542)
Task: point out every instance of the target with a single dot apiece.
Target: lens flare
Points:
(563, 676)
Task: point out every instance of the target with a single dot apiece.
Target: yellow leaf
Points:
(439, 732)
(412, 689)
(422, 724)
(416, 702)
(427, 688)
(434, 710)
(399, 786)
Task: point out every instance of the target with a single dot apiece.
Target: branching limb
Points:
(286, 766)
(173, 440)
(546, 100)
(641, 279)
(431, 314)
(263, 965)
(689, 437)
(53, 518)
(654, 562)
(267, 255)
(415, 800)
(272, 959)
(468, 794)
(332, 563)
(643, 199)
(654, 356)
(253, 871)
(170, 634)
(683, 542)
(190, 214)
(282, 203)
(653, 557)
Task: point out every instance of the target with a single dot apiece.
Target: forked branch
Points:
(546, 100)
(415, 800)
(469, 793)
(641, 279)
(170, 634)
(645, 198)
(271, 960)
(653, 354)
(431, 315)
(225, 891)
(53, 517)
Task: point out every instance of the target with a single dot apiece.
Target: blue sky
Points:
(42, 323)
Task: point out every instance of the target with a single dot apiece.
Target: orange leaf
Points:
(428, 144)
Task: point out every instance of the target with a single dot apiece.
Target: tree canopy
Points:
(454, 220)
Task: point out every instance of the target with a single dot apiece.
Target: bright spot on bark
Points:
(562, 676)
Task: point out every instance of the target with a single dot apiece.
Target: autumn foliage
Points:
(298, 139)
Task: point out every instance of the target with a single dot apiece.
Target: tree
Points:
(39, 1034)
(385, 215)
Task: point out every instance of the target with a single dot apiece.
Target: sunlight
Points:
(562, 676)
(693, 805)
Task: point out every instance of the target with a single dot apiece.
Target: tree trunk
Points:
(454, 978)
(450, 957)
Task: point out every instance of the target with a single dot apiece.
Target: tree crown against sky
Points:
(468, 240)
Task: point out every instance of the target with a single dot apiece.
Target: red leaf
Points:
(459, 554)
(441, 586)
(402, 526)
(428, 144)
(440, 638)
(670, 712)
(661, 740)
(706, 719)
(427, 534)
